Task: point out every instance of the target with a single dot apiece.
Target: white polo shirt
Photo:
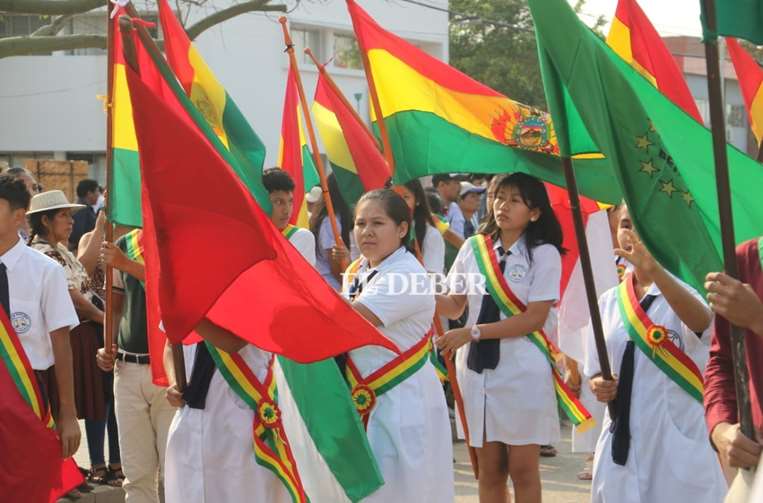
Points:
(304, 241)
(39, 301)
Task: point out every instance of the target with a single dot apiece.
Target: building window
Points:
(19, 25)
(346, 52)
(735, 115)
(304, 38)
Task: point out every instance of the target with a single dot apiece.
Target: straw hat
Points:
(50, 200)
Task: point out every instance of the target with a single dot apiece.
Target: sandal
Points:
(587, 472)
(547, 451)
(115, 476)
(98, 475)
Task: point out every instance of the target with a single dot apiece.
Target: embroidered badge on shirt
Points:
(517, 272)
(21, 322)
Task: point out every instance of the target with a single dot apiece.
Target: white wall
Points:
(48, 103)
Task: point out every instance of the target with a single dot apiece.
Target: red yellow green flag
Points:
(124, 184)
(294, 156)
(750, 78)
(352, 151)
(442, 121)
(214, 104)
(633, 37)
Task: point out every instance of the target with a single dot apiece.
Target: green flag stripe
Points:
(124, 190)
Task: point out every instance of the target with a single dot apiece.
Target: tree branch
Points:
(53, 28)
(231, 12)
(49, 7)
(17, 46)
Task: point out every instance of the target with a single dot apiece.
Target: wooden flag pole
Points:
(590, 285)
(126, 27)
(108, 322)
(374, 96)
(718, 126)
(759, 157)
(330, 81)
(311, 133)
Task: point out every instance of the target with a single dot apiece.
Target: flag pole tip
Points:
(282, 20)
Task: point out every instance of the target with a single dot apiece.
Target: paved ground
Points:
(560, 484)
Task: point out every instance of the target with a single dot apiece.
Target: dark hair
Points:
(545, 230)
(340, 209)
(14, 190)
(438, 179)
(435, 203)
(395, 207)
(422, 214)
(277, 179)
(36, 227)
(86, 186)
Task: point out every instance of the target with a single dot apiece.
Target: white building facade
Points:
(52, 106)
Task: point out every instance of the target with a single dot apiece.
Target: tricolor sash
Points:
(289, 231)
(510, 305)
(440, 223)
(13, 355)
(653, 341)
(271, 447)
(439, 365)
(134, 246)
(365, 390)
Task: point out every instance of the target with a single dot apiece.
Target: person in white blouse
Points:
(506, 381)
(408, 425)
(657, 449)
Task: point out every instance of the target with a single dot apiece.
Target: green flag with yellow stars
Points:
(662, 157)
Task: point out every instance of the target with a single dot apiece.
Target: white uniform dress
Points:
(408, 429)
(433, 251)
(209, 457)
(670, 458)
(209, 452)
(515, 403)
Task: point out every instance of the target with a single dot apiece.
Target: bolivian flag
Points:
(442, 121)
(293, 154)
(634, 39)
(214, 104)
(750, 78)
(124, 189)
(351, 149)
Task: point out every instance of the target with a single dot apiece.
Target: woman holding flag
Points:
(399, 397)
(507, 383)
(657, 332)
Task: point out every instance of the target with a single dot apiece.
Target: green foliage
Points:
(493, 41)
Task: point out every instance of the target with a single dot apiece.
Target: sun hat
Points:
(467, 187)
(50, 200)
(315, 195)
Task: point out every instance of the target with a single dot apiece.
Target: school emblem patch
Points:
(517, 272)
(21, 322)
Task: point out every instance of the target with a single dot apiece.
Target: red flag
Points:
(633, 37)
(750, 78)
(219, 255)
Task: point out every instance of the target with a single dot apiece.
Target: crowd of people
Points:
(668, 429)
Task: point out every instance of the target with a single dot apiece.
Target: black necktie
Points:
(468, 229)
(5, 296)
(486, 354)
(621, 426)
(195, 395)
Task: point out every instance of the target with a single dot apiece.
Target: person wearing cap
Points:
(33, 293)
(314, 199)
(51, 222)
(463, 215)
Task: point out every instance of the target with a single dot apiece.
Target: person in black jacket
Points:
(84, 219)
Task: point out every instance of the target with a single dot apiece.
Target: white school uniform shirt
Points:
(433, 251)
(304, 241)
(325, 242)
(670, 458)
(39, 300)
(515, 403)
(409, 427)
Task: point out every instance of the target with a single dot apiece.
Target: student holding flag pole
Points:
(657, 333)
(399, 397)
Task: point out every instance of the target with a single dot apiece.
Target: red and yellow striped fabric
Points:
(293, 154)
(750, 78)
(633, 37)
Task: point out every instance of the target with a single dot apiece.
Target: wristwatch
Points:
(475, 332)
